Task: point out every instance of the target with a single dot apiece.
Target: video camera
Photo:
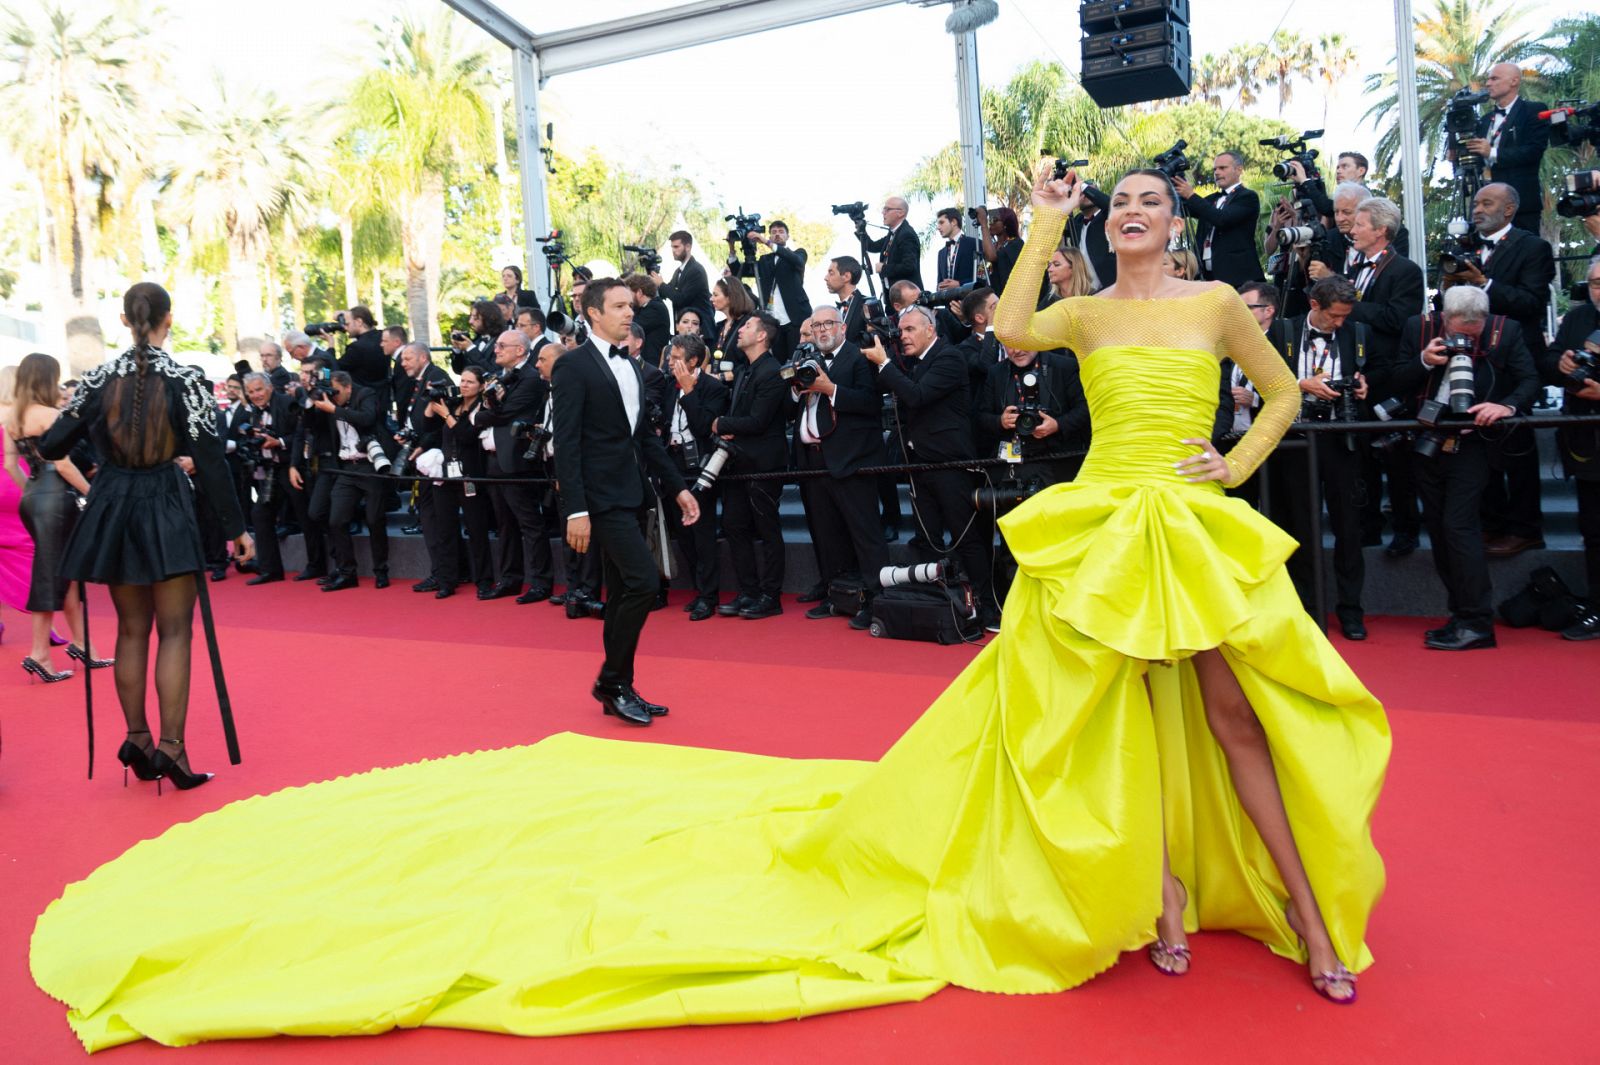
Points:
(739, 238)
(881, 325)
(1461, 114)
(1582, 197)
(1298, 153)
(555, 252)
(649, 258)
(857, 211)
(803, 367)
(323, 329)
(1058, 170)
(1173, 162)
(1573, 122)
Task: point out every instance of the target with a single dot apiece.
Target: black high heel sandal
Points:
(132, 756)
(34, 669)
(167, 766)
(74, 651)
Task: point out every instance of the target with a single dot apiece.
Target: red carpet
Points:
(1487, 824)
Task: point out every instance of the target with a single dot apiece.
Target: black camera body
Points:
(649, 258)
(857, 211)
(324, 329)
(534, 435)
(1173, 162)
(1588, 363)
(803, 367)
(1030, 415)
(881, 325)
(1582, 198)
(1573, 122)
(440, 391)
(1344, 409)
(555, 252)
(1298, 153)
(1461, 113)
(1007, 494)
(1058, 169)
(945, 296)
(1456, 253)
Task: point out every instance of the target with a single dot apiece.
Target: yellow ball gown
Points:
(1010, 841)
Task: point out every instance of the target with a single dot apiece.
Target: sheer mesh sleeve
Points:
(1016, 322)
(1241, 339)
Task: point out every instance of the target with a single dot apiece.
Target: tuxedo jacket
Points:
(1089, 234)
(1519, 150)
(902, 255)
(1520, 271)
(689, 290)
(850, 423)
(657, 326)
(1396, 294)
(603, 462)
(1231, 227)
(958, 260)
(462, 444)
(365, 362)
(1505, 374)
(785, 271)
(285, 423)
(934, 397)
(525, 395)
(430, 429)
(655, 397)
(229, 422)
(364, 414)
(854, 313)
(1352, 347)
(756, 416)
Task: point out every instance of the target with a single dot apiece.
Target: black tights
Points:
(167, 607)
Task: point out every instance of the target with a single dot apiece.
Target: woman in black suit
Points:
(732, 300)
(511, 279)
(464, 457)
(138, 532)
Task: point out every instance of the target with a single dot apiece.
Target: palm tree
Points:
(1455, 46)
(71, 110)
(238, 173)
(1210, 78)
(421, 115)
(1288, 58)
(1332, 58)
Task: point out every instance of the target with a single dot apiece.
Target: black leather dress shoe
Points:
(339, 583)
(765, 607)
(820, 611)
(625, 704)
(264, 578)
(1353, 628)
(537, 593)
(310, 575)
(1443, 630)
(733, 607)
(445, 592)
(219, 575)
(411, 529)
(814, 594)
(380, 580)
(500, 591)
(862, 620)
(1585, 625)
(427, 584)
(1401, 546)
(655, 709)
(701, 609)
(1461, 639)
(558, 598)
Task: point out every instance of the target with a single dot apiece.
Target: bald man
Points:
(1512, 140)
(901, 248)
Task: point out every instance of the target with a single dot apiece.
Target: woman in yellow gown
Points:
(1157, 697)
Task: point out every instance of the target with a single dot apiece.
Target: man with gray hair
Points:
(901, 248)
(263, 448)
(300, 348)
(421, 383)
(272, 365)
(1452, 459)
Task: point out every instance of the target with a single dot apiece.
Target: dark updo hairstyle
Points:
(146, 305)
(490, 317)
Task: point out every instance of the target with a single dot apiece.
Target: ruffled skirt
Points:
(138, 527)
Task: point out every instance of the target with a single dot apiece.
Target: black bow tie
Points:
(1312, 334)
(617, 353)
(950, 243)
(1500, 111)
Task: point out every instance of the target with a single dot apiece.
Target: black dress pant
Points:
(522, 528)
(1511, 502)
(1343, 492)
(632, 581)
(698, 542)
(1589, 529)
(454, 509)
(941, 505)
(1399, 472)
(314, 531)
(749, 514)
(844, 519)
(440, 518)
(1452, 497)
(271, 500)
(353, 491)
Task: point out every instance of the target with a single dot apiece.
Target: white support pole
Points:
(530, 163)
(1405, 51)
(969, 106)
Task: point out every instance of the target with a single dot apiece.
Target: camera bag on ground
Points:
(847, 596)
(933, 612)
(1546, 602)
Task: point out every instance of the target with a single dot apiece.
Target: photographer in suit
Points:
(475, 345)
(1226, 235)
(933, 401)
(900, 248)
(781, 277)
(264, 438)
(315, 445)
(1452, 461)
(694, 402)
(512, 402)
(958, 258)
(357, 419)
(422, 430)
(364, 359)
(754, 424)
(1580, 444)
(690, 288)
(650, 318)
(1512, 140)
(1515, 268)
(457, 502)
(843, 275)
(605, 454)
(840, 429)
(1326, 349)
(1088, 229)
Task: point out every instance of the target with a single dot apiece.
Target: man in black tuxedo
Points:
(695, 401)
(278, 375)
(1226, 235)
(315, 446)
(958, 257)
(840, 429)
(1579, 444)
(357, 418)
(522, 527)
(1453, 477)
(689, 289)
(266, 431)
(606, 453)
(1511, 140)
(1325, 344)
(364, 359)
(425, 432)
(781, 277)
(933, 395)
(754, 424)
(649, 318)
(900, 248)
(1088, 229)
(230, 420)
(843, 275)
(1515, 268)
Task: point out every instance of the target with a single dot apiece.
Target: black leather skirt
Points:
(139, 527)
(49, 510)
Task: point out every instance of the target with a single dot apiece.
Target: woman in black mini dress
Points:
(138, 533)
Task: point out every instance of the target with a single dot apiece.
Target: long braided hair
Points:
(146, 306)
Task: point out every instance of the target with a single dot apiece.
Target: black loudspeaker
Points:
(1135, 50)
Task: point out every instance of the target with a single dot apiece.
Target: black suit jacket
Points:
(1520, 272)
(854, 313)
(655, 396)
(850, 422)
(1397, 294)
(285, 424)
(902, 255)
(1090, 236)
(523, 401)
(602, 462)
(785, 270)
(1232, 229)
(964, 269)
(934, 397)
(689, 290)
(365, 362)
(461, 443)
(430, 429)
(1352, 347)
(1060, 396)
(364, 414)
(707, 402)
(657, 326)
(1523, 139)
(756, 416)
(1505, 374)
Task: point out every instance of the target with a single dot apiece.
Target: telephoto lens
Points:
(380, 461)
(923, 573)
(1460, 383)
(713, 467)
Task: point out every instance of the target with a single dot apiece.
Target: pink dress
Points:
(16, 548)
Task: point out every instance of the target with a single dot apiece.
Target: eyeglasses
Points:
(507, 345)
(826, 325)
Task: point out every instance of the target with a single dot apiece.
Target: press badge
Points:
(1011, 450)
(452, 469)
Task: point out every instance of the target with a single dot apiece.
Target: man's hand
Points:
(1477, 146)
(1567, 366)
(1433, 354)
(437, 409)
(269, 443)
(1242, 398)
(685, 378)
(949, 282)
(690, 506)
(823, 385)
(1185, 190)
(1489, 413)
(244, 548)
(1469, 274)
(296, 482)
(1048, 426)
(1297, 173)
(1317, 386)
(655, 275)
(1592, 224)
(1008, 418)
(578, 534)
(875, 352)
(1361, 386)
(186, 464)
(414, 453)
(324, 405)
(1316, 269)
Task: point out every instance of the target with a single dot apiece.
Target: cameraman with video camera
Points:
(514, 402)
(263, 450)
(933, 420)
(476, 348)
(695, 401)
(1226, 235)
(1463, 369)
(1511, 139)
(357, 422)
(315, 444)
(1577, 371)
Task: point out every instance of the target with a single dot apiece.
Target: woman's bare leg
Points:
(1169, 926)
(1244, 743)
(40, 652)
